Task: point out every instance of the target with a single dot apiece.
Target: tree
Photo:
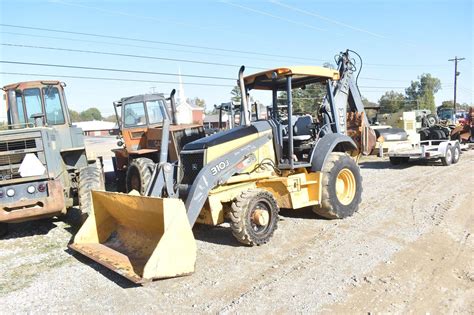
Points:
(199, 102)
(111, 118)
(91, 114)
(391, 102)
(420, 94)
(306, 100)
(235, 94)
(75, 116)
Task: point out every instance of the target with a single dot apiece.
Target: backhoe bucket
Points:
(141, 238)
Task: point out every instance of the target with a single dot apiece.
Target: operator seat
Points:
(301, 128)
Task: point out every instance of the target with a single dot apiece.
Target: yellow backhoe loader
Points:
(244, 175)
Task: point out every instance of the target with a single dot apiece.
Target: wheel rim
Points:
(448, 155)
(345, 186)
(456, 153)
(260, 217)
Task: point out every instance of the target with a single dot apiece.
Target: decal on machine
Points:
(219, 167)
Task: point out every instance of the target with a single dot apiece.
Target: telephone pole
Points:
(456, 73)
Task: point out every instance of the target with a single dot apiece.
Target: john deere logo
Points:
(194, 167)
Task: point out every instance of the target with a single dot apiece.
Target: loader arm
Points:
(217, 172)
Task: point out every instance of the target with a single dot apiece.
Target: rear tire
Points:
(254, 217)
(448, 156)
(432, 120)
(456, 153)
(139, 175)
(341, 187)
(90, 178)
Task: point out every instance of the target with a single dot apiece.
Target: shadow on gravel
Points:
(216, 235)
(303, 213)
(31, 228)
(124, 283)
(378, 165)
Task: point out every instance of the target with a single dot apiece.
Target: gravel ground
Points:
(409, 248)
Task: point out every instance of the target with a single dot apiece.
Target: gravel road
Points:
(409, 248)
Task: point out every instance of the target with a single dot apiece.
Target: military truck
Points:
(44, 169)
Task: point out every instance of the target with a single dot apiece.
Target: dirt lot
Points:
(409, 248)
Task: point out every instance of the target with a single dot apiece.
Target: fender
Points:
(326, 145)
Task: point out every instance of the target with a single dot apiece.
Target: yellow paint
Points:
(303, 71)
(345, 186)
(142, 238)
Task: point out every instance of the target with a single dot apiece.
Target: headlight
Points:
(10, 192)
(31, 189)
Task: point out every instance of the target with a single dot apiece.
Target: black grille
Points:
(192, 165)
(17, 145)
(183, 137)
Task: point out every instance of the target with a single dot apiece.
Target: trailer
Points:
(448, 151)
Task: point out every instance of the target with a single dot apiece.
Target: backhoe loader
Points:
(243, 175)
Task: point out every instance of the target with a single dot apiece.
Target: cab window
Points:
(32, 102)
(52, 105)
(134, 114)
(21, 111)
(154, 108)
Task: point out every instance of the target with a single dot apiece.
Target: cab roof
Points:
(30, 84)
(301, 75)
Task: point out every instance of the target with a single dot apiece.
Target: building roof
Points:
(301, 75)
(95, 125)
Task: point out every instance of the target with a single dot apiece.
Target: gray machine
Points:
(44, 169)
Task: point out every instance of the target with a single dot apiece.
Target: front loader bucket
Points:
(141, 238)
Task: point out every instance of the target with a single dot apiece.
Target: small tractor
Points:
(44, 169)
(243, 175)
(141, 124)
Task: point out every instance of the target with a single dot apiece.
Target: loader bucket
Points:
(141, 238)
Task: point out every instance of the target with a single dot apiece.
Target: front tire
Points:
(341, 187)
(90, 178)
(254, 217)
(139, 175)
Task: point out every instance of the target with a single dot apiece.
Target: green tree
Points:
(391, 102)
(235, 94)
(420, 94)
(305, 100)
(75, 116)
(91, 114)
(199, 102)
(111, 118)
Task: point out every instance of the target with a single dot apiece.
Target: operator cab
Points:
(36, 103)
(143, 111)
(297, 129)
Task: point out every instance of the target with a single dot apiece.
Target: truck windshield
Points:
(134, 114)
(52, 105)
(154, 109)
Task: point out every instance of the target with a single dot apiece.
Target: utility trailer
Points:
(448, 151)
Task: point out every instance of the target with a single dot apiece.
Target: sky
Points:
(397, 40)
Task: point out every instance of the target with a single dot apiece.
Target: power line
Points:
(272, 15)
(313, 14)
(135, 46)
(125, 55)
(113, 79)
(112, 69)
(155, 42)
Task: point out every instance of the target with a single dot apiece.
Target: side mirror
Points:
(120, 143)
